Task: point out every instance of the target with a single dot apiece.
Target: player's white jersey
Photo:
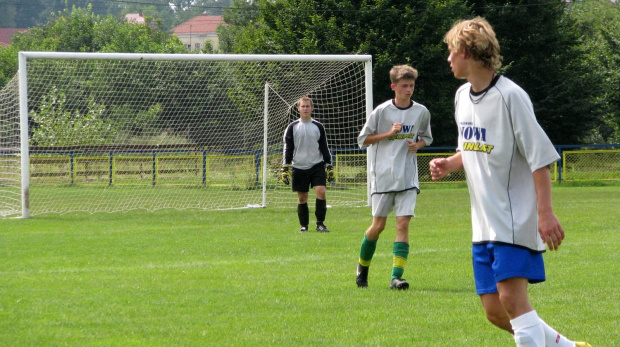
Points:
(305, 144)
(392, 167)
(502, 144)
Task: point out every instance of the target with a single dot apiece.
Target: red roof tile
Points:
(6, 33)
(199, 25)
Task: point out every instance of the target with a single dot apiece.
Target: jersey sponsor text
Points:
(477, 147)
(468, 133)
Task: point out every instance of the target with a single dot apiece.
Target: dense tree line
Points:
(543, 45)
(81, 30)
(565, 55)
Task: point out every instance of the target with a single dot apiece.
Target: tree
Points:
(8, 64)
(541, 50)
(54, 117)
(7, 17)
(599, 25)
(540, 44)
(392, 31)
(81, 30)
(55, 125)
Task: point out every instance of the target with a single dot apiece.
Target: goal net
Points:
(105, 132)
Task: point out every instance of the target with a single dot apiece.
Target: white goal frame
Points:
(24, 57)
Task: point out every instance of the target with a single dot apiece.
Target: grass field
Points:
(249, 278)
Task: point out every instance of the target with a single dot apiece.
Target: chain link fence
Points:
(577, 163)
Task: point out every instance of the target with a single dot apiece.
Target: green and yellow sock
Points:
(367, 251)
(401, 252)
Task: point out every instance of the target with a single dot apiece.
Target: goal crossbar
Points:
(196, 57)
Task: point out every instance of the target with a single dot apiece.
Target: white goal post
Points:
(112, 132)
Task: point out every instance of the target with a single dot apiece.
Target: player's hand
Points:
(396, 128)
(550, 230)
(329, 172)
(285, 174)
(413, 146)
(438, 168)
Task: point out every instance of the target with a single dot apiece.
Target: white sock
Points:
(528, 330)
(554, 339)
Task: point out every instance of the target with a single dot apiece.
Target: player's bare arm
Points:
(374, 138)
(414, 146)
(440, 167)
(549, 226)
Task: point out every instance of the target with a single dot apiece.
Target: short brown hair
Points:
(403, 72)
(477, 38)
(305, 98)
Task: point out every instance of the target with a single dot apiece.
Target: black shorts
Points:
(304, 179)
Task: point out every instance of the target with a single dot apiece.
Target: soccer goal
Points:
(111, 132)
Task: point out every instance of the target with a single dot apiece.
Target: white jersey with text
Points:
(502, 144)
(392, 167)
(305, 144)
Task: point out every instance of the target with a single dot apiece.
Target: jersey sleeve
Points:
(459, 146)
(289, 145)
(369, 128)
(530, 138)
(323, 147)
(425, 128)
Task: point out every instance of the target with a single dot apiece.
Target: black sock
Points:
(321, 211)
(303, 214)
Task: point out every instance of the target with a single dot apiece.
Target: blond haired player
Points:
(506, 157)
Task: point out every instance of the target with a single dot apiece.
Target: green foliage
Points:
(599, 25)
(80, 30)
(8, 64)
(540, 46)
(56, 126)
(392, 31)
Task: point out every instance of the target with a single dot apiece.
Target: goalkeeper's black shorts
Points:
(303, 180)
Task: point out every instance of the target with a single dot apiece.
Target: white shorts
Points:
(403, 203)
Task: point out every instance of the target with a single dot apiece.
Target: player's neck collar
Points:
(476, 97)
(402, 108)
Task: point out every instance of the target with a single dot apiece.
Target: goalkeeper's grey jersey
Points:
(305, 144)
(502, 144)
(392, 167)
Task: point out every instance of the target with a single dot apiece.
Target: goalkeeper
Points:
(307, 163)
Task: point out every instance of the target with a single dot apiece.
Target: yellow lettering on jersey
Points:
(477, 147)
(400, 137)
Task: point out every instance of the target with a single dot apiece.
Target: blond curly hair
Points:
(477, 38)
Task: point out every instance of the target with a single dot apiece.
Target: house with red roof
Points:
(7, 33)
(197, 31)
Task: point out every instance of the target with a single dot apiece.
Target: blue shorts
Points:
(495, 262)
